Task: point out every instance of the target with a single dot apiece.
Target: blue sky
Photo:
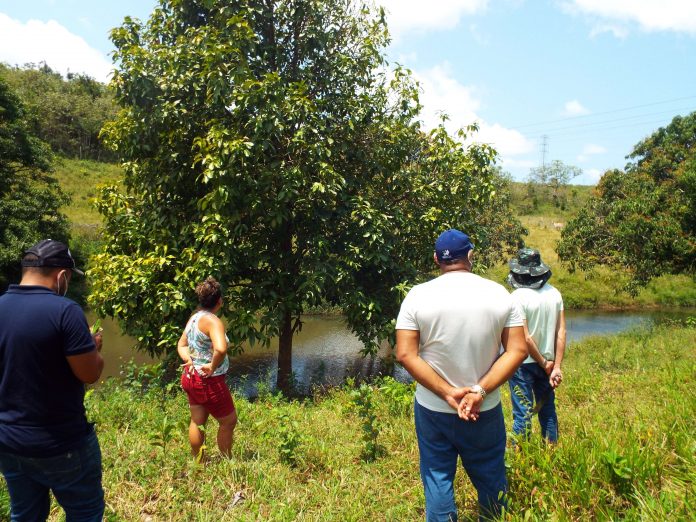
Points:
(593, 76)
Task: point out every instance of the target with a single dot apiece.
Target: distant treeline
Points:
(67, 113)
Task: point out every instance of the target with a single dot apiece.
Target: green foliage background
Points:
(67, 113)
(30, 197)
(642, 219)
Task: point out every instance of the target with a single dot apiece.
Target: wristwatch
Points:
(478, 389)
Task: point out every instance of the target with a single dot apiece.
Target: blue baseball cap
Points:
(452, 244)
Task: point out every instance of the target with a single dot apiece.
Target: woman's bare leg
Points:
(199, 416)
(226, 433)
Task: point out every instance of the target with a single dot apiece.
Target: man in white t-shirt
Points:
(448, 337)
(545, 333)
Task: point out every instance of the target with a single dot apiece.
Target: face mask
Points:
(65, 278)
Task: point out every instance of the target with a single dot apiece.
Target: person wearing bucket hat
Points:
(544, 327)
(47, 354)
(448, 336)
(527, 270)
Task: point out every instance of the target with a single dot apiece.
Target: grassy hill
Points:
(80, 179)
(602, 288)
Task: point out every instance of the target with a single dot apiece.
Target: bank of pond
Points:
(626, 448)
(326, 353)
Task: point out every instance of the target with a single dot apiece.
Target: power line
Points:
(634, 116)
(570, 118)
(596, 130)
(609, 134)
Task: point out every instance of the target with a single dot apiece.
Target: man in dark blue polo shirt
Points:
(47, 353)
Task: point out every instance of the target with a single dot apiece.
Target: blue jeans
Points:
(442, 437)
(528, 385)
(74, 477)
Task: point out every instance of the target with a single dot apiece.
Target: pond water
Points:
(325, 352)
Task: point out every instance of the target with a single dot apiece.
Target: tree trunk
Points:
(283, 382)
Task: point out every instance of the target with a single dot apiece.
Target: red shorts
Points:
(210, 392)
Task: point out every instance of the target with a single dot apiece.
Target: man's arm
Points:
(534, 350)
(407, 342)
(515, 353)
(87, 367)
(556, 375)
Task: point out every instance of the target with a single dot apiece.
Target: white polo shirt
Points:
(541, 309)
(460, 317)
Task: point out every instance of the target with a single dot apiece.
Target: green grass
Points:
(81, 179)
(628, 444)
(626, 448)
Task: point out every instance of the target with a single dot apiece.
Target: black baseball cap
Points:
(50, 253)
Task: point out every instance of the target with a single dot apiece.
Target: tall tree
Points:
(643, 218)
(265, 143)
(553, 180)
(29, 196)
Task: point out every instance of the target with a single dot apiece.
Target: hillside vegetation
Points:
(81, 180)
(67, 113)
(602, 288)
(642, 219)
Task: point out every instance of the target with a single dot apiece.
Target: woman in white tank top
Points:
(203, 349)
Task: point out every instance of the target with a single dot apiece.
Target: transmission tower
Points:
(544, 149)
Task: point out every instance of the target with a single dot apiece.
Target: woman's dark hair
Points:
(208, 292)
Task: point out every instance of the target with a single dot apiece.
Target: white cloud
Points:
(415, 15)
(650, 15)
(590, 149)
(37, 41)
(619, 32)
(518, 164)
(442, 93)
(404, 58)
(590, 177)
(507, 142)
(574, 108)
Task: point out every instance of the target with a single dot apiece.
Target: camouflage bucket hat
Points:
(527, 270)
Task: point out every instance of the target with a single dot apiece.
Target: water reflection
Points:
(580, 324)
(117, 348)
(325, 352)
